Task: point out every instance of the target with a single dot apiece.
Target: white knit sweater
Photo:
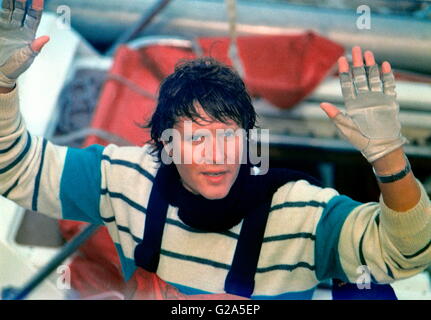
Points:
(312, 233)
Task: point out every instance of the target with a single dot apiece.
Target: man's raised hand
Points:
(371, 123)
(18, 46)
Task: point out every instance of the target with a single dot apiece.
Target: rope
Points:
(233, 47)
(131, 85)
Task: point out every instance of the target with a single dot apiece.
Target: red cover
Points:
(282, 69)
(284, 74)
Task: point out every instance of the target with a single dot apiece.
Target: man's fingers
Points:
(19, 11)
(34, 15)
(373, 72)
(388, 79)
(331, 110)
(350, 131)
(39, 43)
(357, 56)
(343, 64)
(359, 73)
(346, 81)
(386, 67)
(369, 58)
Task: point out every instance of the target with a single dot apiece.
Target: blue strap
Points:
(147, 253)
(240, 279)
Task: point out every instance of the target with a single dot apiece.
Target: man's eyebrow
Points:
(197, 120)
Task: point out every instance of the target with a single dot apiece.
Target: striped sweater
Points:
(312, 233)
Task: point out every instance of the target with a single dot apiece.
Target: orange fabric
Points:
(284, 75)
(121, 109)
(287, 72)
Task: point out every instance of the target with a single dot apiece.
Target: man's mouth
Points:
(215, 176)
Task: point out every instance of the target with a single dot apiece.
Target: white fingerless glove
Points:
(371, 123)
(17, 32)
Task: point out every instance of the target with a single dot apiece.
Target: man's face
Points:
(211, 155)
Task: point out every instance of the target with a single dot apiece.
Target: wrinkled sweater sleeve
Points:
(361, 242)
(34, 173)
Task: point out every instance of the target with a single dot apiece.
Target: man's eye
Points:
(229, 133)
(197, 138)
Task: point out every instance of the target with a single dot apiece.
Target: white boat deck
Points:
(38, 99)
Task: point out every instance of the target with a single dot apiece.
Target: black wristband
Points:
(394, 177)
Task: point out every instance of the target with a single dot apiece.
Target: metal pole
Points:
(68, 250)
(139, 26)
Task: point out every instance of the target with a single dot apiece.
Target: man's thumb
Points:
(39, 43)
(331, 110)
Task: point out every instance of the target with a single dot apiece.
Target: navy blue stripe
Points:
(304, 235)
(390, 273)
(190, 229)
(298, 204)
(178, 224)
(172, 222)
(418, 252)
(194, 259)
(122, 228)
(361, 253)
(127, 230)
(377, 219)
(183, 226)
(12, 146)
(287, 267)
(233, 235)
(397, 264)
(11, 188)
(20, 157)
(129, 165)
(361, 243)
(219, 265)
(125, 199)
(108, 220)
(229, 233)
(38, 176)
(402, 268)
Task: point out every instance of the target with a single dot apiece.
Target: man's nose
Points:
(216, 153)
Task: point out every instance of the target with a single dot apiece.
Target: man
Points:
(203, 222)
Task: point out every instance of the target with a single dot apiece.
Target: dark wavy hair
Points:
(217, 87)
